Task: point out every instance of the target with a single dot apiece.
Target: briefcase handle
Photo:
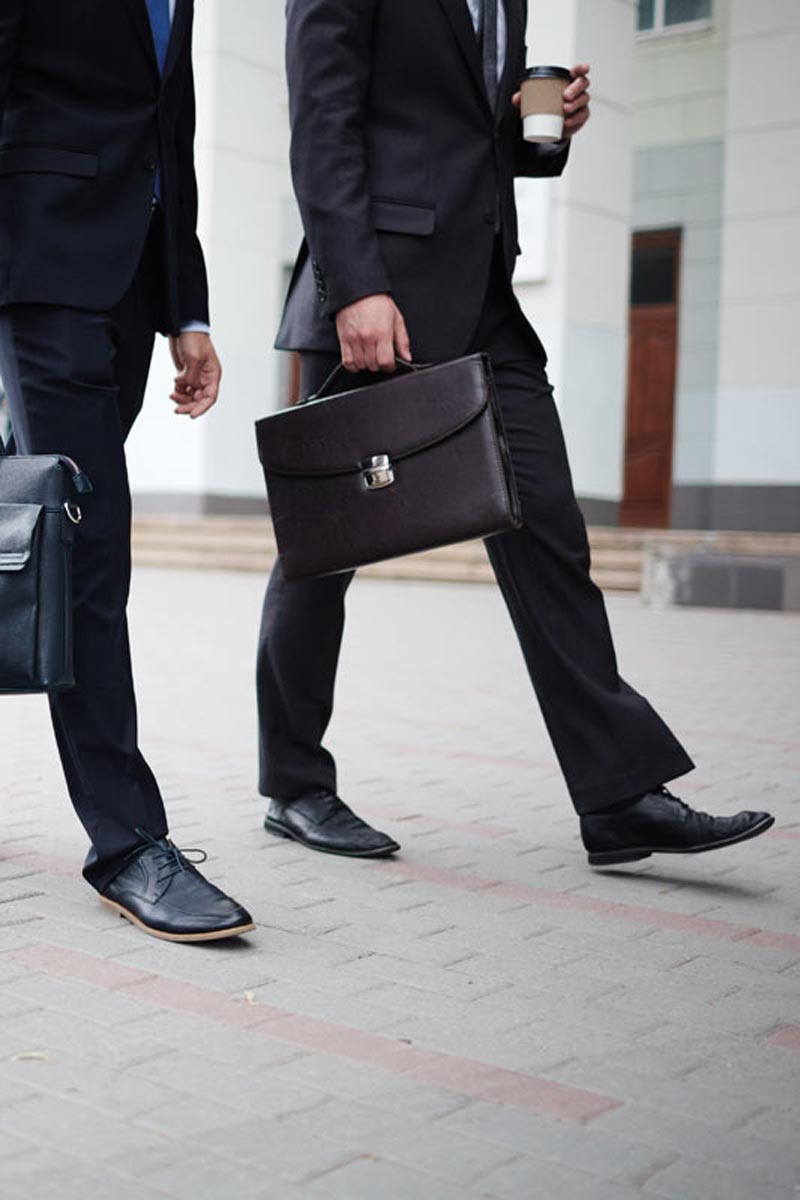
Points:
(328, 389)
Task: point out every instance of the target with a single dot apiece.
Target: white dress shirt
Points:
(502, 31)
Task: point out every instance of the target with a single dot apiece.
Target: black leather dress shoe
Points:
(323, 822)
(163, 893)
(660, 823)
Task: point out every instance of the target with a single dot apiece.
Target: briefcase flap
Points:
(17, 526)
(398, 417)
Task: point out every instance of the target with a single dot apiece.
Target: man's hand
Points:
(576, 100)
(200, 372)
(371, 332)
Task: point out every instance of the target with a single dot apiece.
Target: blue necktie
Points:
(161, 25)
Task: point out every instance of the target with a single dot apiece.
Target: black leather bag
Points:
(415, 461)
(37, 527)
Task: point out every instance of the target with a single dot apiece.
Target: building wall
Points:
(580, 307)
(717, 152)
(756, 478)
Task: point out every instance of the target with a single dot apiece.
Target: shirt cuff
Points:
(195, 327)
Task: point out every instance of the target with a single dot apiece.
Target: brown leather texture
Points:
(451, 477)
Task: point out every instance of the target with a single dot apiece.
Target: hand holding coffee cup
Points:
(554, 102)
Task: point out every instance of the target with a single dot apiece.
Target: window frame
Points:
(660, 29)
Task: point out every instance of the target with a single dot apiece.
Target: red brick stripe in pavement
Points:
(655, 918)
(787, 1038)
(480, 829)
(468, 1077)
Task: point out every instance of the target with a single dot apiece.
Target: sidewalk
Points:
(483, 1017)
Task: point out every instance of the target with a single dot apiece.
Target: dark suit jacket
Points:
(84, 118)
(399, 165)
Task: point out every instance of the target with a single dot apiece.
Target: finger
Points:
(346, 352)
(202, 407)
(516, 99)
(198, 403)
(576, 89)
(193, 372)
(401, 339)
(385, 354)
(580, 69)
(573, 106)
(578, 120)
(359, 359)
(371, 355)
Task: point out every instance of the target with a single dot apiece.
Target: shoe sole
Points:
(214, 935)
(610, 858)
(279, 830)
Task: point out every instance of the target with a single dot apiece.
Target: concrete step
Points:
(247, 544)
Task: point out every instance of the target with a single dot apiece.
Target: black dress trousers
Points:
(75, 381)
(610, 743)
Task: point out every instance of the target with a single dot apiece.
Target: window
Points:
(660, 16)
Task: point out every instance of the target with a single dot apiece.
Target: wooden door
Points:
(652, 363)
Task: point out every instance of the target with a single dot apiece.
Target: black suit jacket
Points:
(400, 165)
(84, 118)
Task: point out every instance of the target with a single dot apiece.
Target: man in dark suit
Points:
(98, 253)
(406, 138)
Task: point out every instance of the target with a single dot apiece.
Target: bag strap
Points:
(328, 389)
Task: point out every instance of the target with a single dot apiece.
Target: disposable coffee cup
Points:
(543, 103)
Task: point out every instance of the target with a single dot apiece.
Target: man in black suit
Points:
(98, 253)
(406, 138)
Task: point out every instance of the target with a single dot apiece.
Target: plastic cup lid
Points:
(547, 73)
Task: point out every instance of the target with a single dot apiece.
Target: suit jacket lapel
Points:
(515, 35)
(457, 13)
(137, 10)
(180, 26)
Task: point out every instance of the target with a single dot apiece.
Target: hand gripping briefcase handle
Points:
(340, 372)
(38, 518)
(413, 461)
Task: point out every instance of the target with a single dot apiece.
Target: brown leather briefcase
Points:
(414, 461)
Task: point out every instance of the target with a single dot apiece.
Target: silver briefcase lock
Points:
(378, 473)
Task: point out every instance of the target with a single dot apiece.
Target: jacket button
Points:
(149, 163)
(488, 218)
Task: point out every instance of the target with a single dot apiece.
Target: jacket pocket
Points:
(401, 216)
(48, 160)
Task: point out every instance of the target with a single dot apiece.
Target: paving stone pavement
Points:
(483, 1017)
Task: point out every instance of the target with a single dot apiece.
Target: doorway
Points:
(652, 369)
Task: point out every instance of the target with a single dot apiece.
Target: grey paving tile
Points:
(674, 1023)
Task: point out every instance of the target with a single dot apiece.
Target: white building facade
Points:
(662, 271)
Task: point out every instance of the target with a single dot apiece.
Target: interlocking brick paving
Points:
(484, 1017)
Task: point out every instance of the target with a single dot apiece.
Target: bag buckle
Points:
(378, 472)
(73, 512)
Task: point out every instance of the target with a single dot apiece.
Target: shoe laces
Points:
(687, 808)
(172, 861)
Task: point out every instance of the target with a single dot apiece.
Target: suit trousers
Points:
(610, 743)
(75, 381)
